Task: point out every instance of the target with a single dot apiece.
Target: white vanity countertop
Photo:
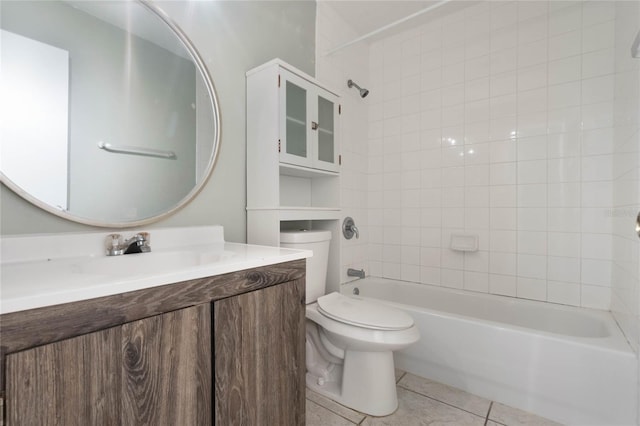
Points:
(38, 271)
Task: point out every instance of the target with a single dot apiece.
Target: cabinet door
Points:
(259, 357)
(153, 371)
(295, 120)
(326, 152)
(71, 382)
(166, 369)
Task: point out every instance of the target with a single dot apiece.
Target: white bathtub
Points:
(568, 364)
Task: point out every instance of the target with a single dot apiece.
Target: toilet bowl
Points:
(349, 340)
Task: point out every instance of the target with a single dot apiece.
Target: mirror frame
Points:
(215, 107)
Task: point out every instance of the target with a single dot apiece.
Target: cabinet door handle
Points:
(314, 125)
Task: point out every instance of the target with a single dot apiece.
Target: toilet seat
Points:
(363, 313)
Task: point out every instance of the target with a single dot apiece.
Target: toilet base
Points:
(367, 383)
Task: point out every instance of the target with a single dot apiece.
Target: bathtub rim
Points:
(616, 341)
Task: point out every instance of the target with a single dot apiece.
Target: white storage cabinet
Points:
(293, 157)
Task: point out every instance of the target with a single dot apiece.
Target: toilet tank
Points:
(318, 242)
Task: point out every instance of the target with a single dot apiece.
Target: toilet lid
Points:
(363, 313)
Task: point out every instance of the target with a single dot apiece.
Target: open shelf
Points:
(309, 213)
(295, 120)
(297, 171)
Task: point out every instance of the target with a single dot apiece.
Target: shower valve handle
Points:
(349, 228)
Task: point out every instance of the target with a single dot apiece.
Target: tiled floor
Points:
(423, 402)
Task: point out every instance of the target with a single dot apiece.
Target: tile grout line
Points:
(364, 415)
(442, 402)
(338, 414)
(404, 373)
(486, 420)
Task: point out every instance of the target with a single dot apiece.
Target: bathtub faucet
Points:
(355, 273)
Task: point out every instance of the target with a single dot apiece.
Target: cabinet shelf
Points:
(295, 120)
(302, 123)
(299, 171)
(285, 213)
(309, 213)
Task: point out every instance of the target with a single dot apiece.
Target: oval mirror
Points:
(109, 116)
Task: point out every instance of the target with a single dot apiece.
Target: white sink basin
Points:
(150, 263)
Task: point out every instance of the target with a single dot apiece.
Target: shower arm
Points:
(363, 92)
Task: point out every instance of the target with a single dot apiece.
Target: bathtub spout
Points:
(355, 273)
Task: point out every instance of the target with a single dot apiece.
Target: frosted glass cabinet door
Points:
(308, 123)
(295, 147)
(327, 153)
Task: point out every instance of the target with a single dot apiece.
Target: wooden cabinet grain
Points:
(259, 373)
(227, 349)
(155, 371)
(166, 369)
(72, 382)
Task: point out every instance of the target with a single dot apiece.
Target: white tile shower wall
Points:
(498, 120)
(625, 303)
(334, 71)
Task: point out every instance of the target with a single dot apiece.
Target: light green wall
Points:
(232, 37)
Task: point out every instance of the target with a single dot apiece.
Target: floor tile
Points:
(510, 416)
(399, 374)
(320, 416)
(414, 409)
(333, 406)
(446, 394)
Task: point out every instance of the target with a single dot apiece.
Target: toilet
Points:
(349, 340)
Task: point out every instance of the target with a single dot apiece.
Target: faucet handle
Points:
(145, 241)
(354, 229)
(113, 245)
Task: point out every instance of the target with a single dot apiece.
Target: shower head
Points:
(363, 92)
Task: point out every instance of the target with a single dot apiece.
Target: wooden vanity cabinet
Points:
(236, 359)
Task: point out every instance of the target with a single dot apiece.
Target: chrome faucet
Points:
(139, 243)
(355, 273)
